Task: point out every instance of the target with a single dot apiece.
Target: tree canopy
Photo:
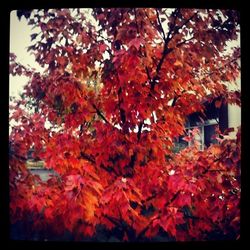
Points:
(117, 88)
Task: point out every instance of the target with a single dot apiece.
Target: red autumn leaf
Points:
(62, 60)
(167, 223)
(102, 47)
(218, 103)
(136, 42)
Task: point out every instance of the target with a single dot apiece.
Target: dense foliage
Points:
(116, 91)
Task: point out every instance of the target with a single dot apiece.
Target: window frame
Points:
(209, 122)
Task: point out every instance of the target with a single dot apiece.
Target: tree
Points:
(117, 88)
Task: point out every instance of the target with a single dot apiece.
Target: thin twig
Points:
(100, 114)
(139, 131)
(159, 21)
(137, 27)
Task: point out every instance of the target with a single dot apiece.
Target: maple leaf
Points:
(136, 42)
(102, 47)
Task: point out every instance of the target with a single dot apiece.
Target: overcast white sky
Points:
(19, 41)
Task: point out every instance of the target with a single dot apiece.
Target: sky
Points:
(19, 41)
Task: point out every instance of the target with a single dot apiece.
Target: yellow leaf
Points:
(215, 150)
(178, 63)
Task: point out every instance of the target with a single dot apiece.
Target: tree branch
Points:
(19, 157)
(173, 198)
(174, 101)
(109, 169)
(137, 27)
(183, 42)
(166, 50)
(151, 197)
(149, 19)
(222, 67)
(113, 220)
(172, 28)
(159, 21)
(172, 31)
(92, 160)
(122, 111)
(87, 157)
(188, 20)
(139, 131)
(100, 114)
(177, 97)
(147, 71)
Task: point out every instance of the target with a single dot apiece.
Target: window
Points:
(206, 132)
(204, 137)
